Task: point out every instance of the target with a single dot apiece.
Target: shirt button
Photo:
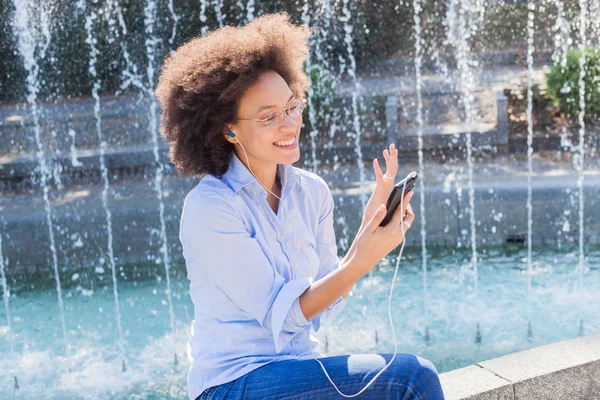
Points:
(296, 340)
(281, 237)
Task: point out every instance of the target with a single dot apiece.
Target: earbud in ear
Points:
(230, 133)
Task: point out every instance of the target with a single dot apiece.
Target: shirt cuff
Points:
(329, 314)
(287, 318)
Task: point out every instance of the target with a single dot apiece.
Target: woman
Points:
(257, 233)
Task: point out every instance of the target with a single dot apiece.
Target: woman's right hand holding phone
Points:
(373, 242)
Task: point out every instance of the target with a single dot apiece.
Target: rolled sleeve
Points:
(287, 317)
(327, 250)
(215, 235)
(329, 314)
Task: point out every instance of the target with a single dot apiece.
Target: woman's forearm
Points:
(324, 292)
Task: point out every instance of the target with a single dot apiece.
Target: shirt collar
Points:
(238, 176)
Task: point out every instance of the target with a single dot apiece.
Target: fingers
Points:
(391, 161)
(398, 214)
(405, 203)
(409, 217)
(391, 164)
(376, 220)
(402, 210)
(377, 169)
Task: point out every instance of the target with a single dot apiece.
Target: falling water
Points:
(462, 26)
(561, 47)
(218, 7)
(46, 9)
(129, 75)
(422, 217)
(581, 147)
(561, 35)
(151, 40)
(355, 93)
(91, 41)
(203, 18)
(324, 36)
(26, 44)
(250, 10)
(530, 49)
(5, 293)
(74, 160)
(175, 19)
(318, 88)
(312, 114)
(593, 19)
(5, 298)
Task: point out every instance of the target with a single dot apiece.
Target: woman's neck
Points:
(265, 173)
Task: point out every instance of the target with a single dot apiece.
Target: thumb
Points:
(376, 219)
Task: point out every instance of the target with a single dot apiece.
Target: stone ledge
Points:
(564, 370)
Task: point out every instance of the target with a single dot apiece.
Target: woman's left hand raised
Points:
(383, 182)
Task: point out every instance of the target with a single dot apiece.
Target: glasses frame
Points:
(266, 122)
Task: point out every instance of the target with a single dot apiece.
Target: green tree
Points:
(563, 83)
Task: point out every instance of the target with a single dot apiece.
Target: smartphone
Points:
(396, 196)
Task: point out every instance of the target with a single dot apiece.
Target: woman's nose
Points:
(288, 122)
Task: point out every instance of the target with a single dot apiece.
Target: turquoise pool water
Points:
(441, 325)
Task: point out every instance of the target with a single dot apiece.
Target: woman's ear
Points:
(230, 136)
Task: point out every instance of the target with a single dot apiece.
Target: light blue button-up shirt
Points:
(247, 267)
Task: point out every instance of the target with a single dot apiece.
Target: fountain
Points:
(497, 252)
(417, 10)
(91, 41)
(27, 47)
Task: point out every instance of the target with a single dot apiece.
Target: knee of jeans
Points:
(427, 371)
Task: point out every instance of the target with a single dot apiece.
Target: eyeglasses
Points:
(294, 110)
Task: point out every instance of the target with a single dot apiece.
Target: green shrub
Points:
(563, 83)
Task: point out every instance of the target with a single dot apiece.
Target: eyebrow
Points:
(272, 105)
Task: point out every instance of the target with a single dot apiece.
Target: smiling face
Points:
(266, 146)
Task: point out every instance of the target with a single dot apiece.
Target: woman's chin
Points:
(290, 158)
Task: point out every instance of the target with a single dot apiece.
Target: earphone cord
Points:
(389, 299)
(389, 315)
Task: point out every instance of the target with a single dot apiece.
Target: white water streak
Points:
(348, 28)
(5, 293)
(91, 41)
(312, 115)
(529, 112)
(130, 75)
(151, 40)
(422, 217)
(203, 18)
(594, 22)
(74, 160)
(581, 147)
(250, 10)
(26, 44)
(175, 19)
(325, 35)
(45, 17)
(218, 7)
(561, 48)
(462, 25)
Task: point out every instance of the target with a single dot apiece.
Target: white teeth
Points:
(286, 142)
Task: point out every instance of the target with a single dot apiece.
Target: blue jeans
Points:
(409, 377)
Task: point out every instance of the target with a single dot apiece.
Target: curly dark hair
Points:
(201, 84)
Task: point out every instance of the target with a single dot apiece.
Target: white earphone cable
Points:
(389, 315)
(389, 299)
